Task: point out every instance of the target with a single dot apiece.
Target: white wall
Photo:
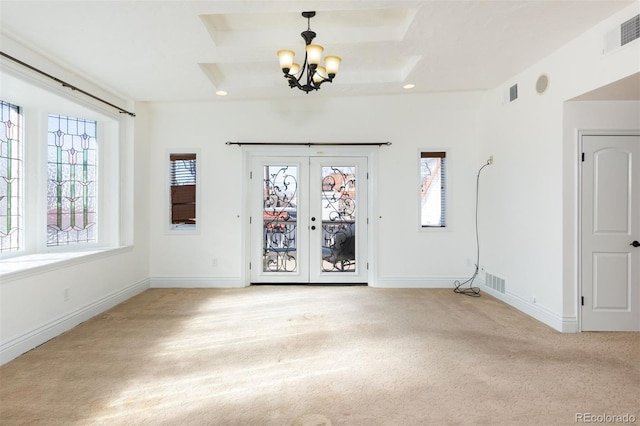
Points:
(33, 308)
(408, 256)
(524, 198)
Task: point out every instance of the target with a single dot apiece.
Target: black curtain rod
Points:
(311, 143)
(65, 84)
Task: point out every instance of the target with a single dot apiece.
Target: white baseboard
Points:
(570, 325)
(416, 282)
(196, 282)
(19, 345)
(552, 319)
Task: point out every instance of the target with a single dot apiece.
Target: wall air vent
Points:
(494, 282)
(510, 94)
(513, 93)
(630, 30)
(623, 34)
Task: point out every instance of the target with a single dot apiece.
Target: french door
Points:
(308, 219)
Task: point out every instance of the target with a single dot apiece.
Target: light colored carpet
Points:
(297, 355)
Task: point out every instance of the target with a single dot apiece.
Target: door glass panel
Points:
(279, 219)
(338, 218)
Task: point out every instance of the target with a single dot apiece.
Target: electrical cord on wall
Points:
(473, 291)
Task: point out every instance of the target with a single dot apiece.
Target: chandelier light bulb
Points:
(320, 74)
(295, 69)
(314, 54)
(286, 58)
(332, 63)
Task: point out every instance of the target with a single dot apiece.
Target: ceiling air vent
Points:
(623, 34)
(630, 30)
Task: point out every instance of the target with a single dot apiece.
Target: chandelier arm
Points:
(324, 80)
(304, 67)
(293, 82)
(310, 73)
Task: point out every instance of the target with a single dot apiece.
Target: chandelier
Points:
(311, 75)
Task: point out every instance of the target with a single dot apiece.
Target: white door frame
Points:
(580, 135)
(370, 152)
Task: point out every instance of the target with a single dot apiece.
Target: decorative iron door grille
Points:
(309, 208)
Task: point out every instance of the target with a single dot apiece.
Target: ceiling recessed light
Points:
(409, 86)
(221, 93)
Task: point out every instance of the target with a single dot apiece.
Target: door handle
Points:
(635, 244)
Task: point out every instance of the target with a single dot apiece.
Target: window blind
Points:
(183, 188)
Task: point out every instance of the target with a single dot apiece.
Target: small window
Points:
(432, 189)
(10, 177)
(182, 176)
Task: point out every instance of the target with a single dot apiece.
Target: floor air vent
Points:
(494, 282)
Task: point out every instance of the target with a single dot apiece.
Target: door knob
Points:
(635, 244)
(313, 219)
(313, 228)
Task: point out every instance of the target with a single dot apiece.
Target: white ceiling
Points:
(186, 50)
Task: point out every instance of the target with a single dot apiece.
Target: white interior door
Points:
(308, 220)
(610, 214)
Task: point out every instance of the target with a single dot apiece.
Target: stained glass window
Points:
(10, 177)
(72, 174)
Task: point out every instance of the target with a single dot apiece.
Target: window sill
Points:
(183, 229)
(435, 228)
(19, 267)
